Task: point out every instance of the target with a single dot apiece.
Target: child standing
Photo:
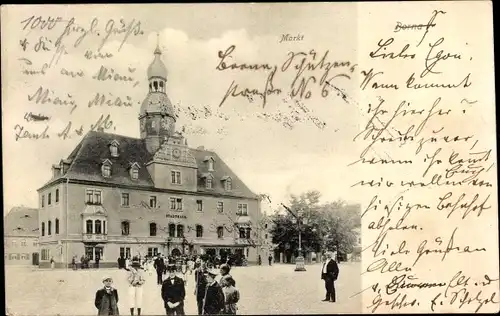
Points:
(106, 299)
(231, 295)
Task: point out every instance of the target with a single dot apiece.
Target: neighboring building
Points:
(121, 196)
(21, 236)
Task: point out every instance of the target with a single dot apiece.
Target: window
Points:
(199, 231)
(209, 183)
(49, 199)
(266, 236)
(89, 252)
(125, 228)
(265, 226)
(35, 243)
(106, 170)
(171, 230)
(93, 196)
(114, 150)
(99, 252)
(199, 203)
(180, 231)
(14, 243)
(152, 252)
(210, 164)
(124, 252)
(220, 232)
(176, 177)
(98, 227)
(176, 204)
(220, 207)
(134, 173)
(248, 233)
(228, 184)
(43, 200)
(152, 201)
(43, 229)
(49, 228)
(242, 209)
(104, 227)
(153, 125)
(125, 199)
(152, 229)
(45, 254)
(57, 226)
(23, 242)
(242, 232)
(57, 195)
(90, 227)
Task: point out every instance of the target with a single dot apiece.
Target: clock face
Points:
(176, 153)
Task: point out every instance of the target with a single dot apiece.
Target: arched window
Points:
(152, 229)
(57, 197)
(171, 230)
(161, 86)
(228, 185)
(90, 227)
(180, 230)
(98, 228)
(220, 232)
(248, 233)
(242, 233)
(155, 84)
(199, 231)
(43, 229)
(49, 228)
(125, 228)
(57, 223)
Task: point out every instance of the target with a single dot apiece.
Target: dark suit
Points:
(201, 285)
(173, 293)
(214, 300)
(331, 275)
(159, 265)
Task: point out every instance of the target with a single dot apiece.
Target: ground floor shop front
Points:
(108, 253)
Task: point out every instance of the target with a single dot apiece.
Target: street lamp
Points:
(300, 220)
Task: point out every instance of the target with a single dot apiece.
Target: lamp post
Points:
(299, 261)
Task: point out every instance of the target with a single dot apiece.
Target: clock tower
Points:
(156, 117)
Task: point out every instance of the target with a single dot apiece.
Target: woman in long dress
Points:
(136, 281)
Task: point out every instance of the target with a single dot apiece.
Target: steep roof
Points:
(21, 221)
(87, 158)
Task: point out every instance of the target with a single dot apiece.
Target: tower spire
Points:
(157, 50)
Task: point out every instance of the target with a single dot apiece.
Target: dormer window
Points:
(134, 171)
(209, 183)
(209, 180)
(228, 183)
(113, 148)
(106, 168)
(209, 160)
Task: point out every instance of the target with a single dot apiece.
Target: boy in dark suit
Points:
(173, 293)
(330, 273)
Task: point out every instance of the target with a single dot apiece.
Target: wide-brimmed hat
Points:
(213, 272)
(171, 267)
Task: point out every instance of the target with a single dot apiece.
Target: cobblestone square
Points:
(276, 289)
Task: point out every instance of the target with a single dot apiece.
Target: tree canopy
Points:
(328, 226)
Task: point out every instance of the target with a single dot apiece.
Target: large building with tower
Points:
(120, 196)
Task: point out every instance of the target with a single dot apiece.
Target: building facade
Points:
(120, 196)
(21, 237)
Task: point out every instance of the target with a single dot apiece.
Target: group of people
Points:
(84, 262)
(214, 296)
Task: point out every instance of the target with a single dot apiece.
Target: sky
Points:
(268, 156)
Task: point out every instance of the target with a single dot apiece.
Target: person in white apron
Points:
(136, 281)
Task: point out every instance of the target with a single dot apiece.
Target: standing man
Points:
(173, 293)
(270, 258)
(214, 301)
(97, 259)
(330, 273)
(159, 265)
(200, 284)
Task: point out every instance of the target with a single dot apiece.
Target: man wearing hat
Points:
(200, 284)
(214, 296)
(106, 298)
(136, 280)
(173, 292)
(159, 266)
(330, 273)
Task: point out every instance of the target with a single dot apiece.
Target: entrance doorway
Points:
(176, 252)
(35, 259)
